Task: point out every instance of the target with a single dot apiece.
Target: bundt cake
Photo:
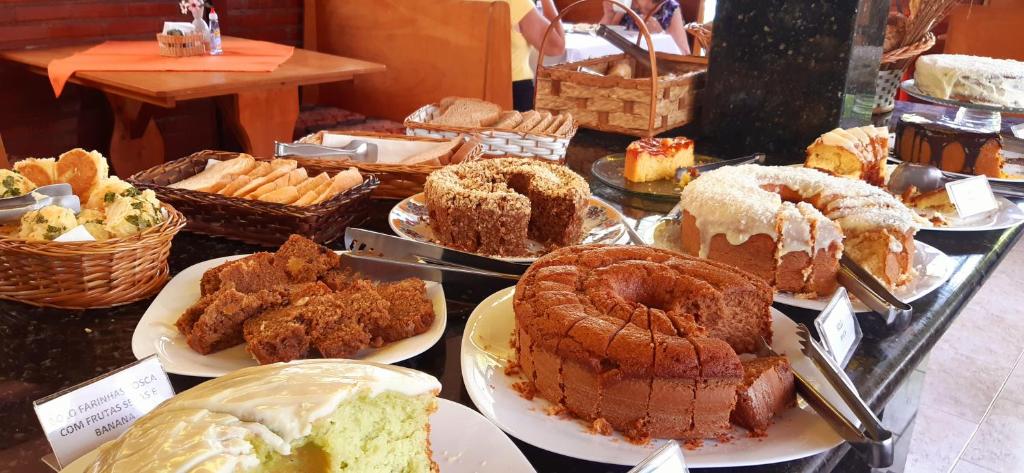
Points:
(309, 416)
(920, 140)
(492, 206)
(653, 159)
(857, 153)
(746, 216)
(644, 339)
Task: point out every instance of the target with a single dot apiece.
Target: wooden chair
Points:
(986, 30)
(4, 164)
(432, 49)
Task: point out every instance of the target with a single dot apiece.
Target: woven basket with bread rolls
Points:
(530, 134)
(258, 200)
(118, 256)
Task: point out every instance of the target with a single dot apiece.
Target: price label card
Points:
(838, 327)
(971, 196)
(81, 418)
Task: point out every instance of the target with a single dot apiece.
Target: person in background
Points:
(664, 18)
(528, 27)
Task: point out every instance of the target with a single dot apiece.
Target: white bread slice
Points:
(284, 195)
(297, 176)
(311, 196)
(209, 177)
(293, 177)
(236, 184)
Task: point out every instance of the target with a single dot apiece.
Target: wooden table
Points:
(260, 107)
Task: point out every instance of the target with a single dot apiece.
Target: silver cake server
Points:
(358, 239)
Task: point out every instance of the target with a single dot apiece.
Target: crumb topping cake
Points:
(493, 206)
(642, 339)
(790, 225)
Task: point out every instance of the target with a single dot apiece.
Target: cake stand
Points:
(970, 116)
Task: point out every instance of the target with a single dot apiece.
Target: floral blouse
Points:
(663, 15)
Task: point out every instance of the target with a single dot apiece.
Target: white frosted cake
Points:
(309, 416)
(973, 79)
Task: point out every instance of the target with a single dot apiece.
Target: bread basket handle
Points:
(641, 26)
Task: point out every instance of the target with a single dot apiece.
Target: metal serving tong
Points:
(667, 459)
(895, 314)
(875, 442)
(682, 64)
(356, 150)
(756, 158)
(388, 258)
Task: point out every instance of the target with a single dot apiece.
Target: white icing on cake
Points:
(735, 201)
(971, 78)
(208, 428)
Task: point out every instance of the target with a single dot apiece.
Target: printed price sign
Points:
(79, 419)
(971, 196)
(838, 327)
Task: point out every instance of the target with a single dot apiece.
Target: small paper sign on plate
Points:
(971, 196)
(81, 418)
(838, 327)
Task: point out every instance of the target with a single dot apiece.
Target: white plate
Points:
(1008, 215)
(601, 224)
(462, 440)
(933, 269)
(156, 332)
(796, 433)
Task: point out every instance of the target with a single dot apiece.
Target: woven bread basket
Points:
(192, 44)
(641, 106)
(397, 181)
(900, 58)
(253, 221)
(494, 142)
(88, 275)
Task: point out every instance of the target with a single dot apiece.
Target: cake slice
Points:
(653, 159)
(767, 389)
(857, 153)
(310, 416)
(715, 395)
(631, 355)
(673, 390)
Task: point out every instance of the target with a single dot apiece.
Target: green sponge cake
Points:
(305, 416)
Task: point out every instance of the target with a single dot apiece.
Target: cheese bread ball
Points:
(47, 223)
(130, 214)
(93, 220)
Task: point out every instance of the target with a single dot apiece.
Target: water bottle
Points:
(215, 33)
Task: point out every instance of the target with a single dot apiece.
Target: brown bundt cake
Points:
(641, 338)
(492, 206)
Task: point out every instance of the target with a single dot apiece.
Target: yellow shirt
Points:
(520, 48)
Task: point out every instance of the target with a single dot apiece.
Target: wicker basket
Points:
(701, 32)
(643, 106)
(900, 58)
(397, 181)
(192, 44)
(253, 221)
(88, 275)
(495, 142)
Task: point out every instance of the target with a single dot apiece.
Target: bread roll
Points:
(93, 220)
(47, 223)
(105, 192)
(41, 171)
(83, 170)
(621, 69)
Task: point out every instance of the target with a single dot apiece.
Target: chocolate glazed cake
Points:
(493, 206)
(640, 338)
(922, 141)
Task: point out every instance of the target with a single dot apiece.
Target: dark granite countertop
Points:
(45, 350)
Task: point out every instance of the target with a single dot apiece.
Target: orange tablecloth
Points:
(239, 55)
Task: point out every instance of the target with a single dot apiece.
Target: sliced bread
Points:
(470, 113)
(530, 119)
(509, 120)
